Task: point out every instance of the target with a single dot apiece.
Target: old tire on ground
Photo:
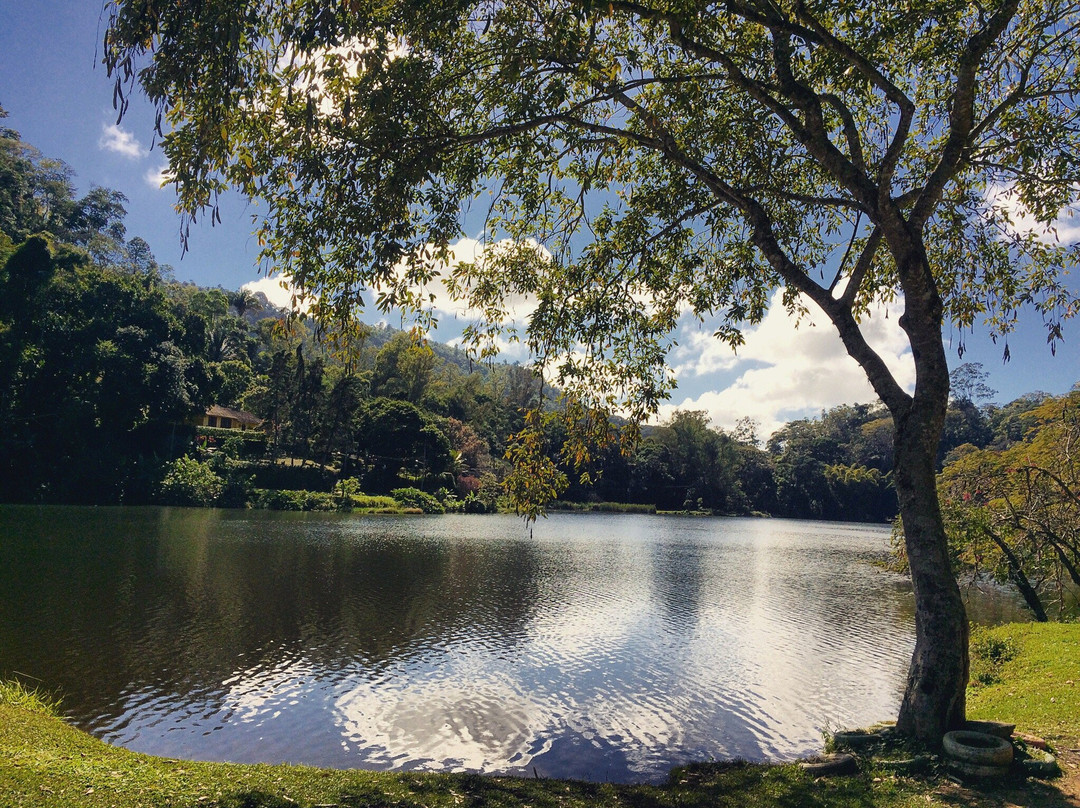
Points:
(998, 728)
(855, 740)
(830, 764)
(1042, 765)
(974, 770)
(977, 748)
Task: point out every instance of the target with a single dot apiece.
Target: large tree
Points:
(636, 160)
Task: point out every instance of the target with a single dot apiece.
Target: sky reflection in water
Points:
(598, 646)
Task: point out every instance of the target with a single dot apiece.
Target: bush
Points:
(988, 654)
(373, 503)
(292, 478)
(621, 507)
(473, 504)
(602, 507)
(189, 482)
(345, 497)
(251, 444)
(348, 496)
(415, 498)
(285, 500)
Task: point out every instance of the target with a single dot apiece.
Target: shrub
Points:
(988, 654)
(249, 444)
(415, 498)
(189, 482)
(292, 478)
(348, 496)
(285, 500)
(369, 502)
(473, 504)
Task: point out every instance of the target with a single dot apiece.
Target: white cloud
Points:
(309, 71)
(469, 250)
(157, 177)
(507, 350)
(793, 373)
(278, 290)
(1065, 229)
(115, 139)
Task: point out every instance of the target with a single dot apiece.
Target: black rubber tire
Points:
(830, 764)
(974, 770)
(855, 741)
(998, 728)
(977, 748)
(1042, 765)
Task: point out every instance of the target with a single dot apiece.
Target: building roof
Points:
(236, 415)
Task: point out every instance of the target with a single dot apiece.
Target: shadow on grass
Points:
(255, 799)
(699, 786)
(720, 785)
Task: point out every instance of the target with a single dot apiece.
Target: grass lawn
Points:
(1031, 676)
(46, 762)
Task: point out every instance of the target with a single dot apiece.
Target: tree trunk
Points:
(1017, 576)
(937, 679)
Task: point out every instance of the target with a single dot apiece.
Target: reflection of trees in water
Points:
(183, 599)
(677, 584)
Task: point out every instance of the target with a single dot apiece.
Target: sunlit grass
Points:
(14, 693)
(1028, 674)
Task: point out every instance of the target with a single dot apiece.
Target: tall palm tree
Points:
(243, 301)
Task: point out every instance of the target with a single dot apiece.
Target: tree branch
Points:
(862, 266)
(961, 114)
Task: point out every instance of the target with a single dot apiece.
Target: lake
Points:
(604, 647)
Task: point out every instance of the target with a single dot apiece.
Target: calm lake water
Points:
(604, 647)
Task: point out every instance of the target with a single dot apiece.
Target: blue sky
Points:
(59, 98)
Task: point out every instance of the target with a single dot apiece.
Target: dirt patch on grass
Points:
(1069, 760)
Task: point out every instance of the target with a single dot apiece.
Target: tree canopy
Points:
(1013, 508)
(663, 157)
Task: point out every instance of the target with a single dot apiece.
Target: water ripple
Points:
(598, 647)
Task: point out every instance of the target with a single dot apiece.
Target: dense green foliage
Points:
(189, 482)
(1012, 502)
(93, 374)
(104, 363)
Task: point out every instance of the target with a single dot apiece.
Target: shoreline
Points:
(45, 761)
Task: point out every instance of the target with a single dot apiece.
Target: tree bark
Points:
(937, 679)
(934, 699)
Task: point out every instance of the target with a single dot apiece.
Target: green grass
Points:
(46, 762)
(16, 694)
(1028, 674)
(600, 507)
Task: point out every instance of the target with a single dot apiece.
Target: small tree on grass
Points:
(638, 160)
